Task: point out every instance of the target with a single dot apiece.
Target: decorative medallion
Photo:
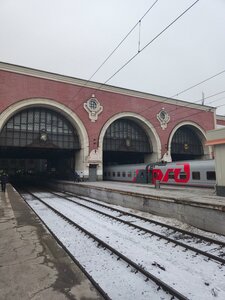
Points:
(93, 107)
(163, 118)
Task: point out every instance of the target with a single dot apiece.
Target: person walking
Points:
(76, 177)
(4, 180)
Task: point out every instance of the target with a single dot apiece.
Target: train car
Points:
(126, 173)
(199, 173)
(194, 173)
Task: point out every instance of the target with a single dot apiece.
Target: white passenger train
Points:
(194, 173)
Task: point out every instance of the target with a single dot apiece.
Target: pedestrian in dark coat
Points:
(4, 180)
(76, 177)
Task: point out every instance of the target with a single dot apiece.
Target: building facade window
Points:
(39, 127)
(126, 135)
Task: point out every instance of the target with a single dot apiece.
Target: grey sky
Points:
(73, 37)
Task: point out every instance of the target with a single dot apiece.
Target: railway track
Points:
(131, 269)
(210, 248)
(153, 264)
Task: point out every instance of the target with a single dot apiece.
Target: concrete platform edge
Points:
(32, 264)
(204, 215)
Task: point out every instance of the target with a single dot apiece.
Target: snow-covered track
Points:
(157, 286)
(170, 233)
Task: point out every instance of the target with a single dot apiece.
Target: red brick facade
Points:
(19, 84)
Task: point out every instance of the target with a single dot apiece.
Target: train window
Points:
(109, 174)
(114, 174)
(105, 174)
(124, 174)
(128, 174)
(171, 175)
(211, 175)
(183, 175)
(196, 175)
(118, 174)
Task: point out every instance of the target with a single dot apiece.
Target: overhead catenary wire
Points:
(149, 43)
(216, 100)
(219, 93)
(126, 36)
(120, 43)
(194, 102)
(220, 105)
(197, 84)
(188, 106)
(139, 51)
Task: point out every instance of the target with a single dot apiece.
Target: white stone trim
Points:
(93, 112)
(163, 120)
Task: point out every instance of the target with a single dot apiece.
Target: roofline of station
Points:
(96, 85)
(220, 117)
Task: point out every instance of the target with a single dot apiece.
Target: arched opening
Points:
(125, 142)
(38, 140)
(187, 143)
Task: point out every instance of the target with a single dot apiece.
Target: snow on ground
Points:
(165, 220)
(151, 226)
(118, 280)
(192, 276)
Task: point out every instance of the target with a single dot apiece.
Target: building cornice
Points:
(98, 86)
(221, 118)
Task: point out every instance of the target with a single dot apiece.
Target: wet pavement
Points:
(32, 264)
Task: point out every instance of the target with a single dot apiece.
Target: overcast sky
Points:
(73, 37)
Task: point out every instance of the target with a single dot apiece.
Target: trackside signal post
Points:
(216, 139)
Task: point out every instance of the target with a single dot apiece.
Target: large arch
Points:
(61, 109)
(198, 131)
(142, 122)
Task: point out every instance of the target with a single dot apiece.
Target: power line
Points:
(216, 100)
(193, 86)
(138, 23)
(158, 35)
(189, 104)
(219, 93)
(220, 105)
(120, 43)
(150, 42)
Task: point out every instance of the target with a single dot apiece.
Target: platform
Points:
(199, 207)
(32, 265)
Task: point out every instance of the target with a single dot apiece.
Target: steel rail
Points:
(197, 251)
(95, 284)
(147, 274)
(192, 234)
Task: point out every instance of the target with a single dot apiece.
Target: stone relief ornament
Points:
(163, 118)
(93, 107)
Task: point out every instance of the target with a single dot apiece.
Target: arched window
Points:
(39, 127)
(126, 135)
(186, 142)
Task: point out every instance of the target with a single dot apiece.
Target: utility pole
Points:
(203, 98)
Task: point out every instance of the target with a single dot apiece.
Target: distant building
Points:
(216, 138)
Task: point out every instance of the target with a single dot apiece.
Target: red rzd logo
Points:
(164, 177)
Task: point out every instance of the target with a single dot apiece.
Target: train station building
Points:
(59, 124)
